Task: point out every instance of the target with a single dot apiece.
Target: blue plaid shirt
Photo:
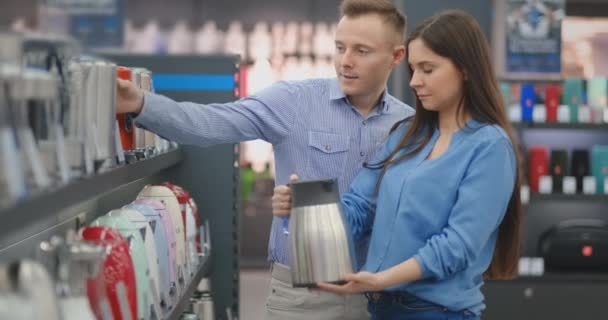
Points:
(314, 129)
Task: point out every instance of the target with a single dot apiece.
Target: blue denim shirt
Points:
(444, 212)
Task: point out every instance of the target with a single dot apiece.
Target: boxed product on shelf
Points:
(599, 167)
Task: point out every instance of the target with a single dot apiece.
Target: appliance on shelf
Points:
(527, 102)
(573, 96)
(192, 223)
(118, 271)
(77, 267)
(167, 226)
(125, 120)
(599, 167)
(22, 86)
(168, 199)
(552, 101)
(76, 116)
(141, 223)
(580, 167)
(153, 218)
(576, 245)
(538, 165)
(29, 284)
(12, 177)
(99, 94)
(559, 168)
(137, 248)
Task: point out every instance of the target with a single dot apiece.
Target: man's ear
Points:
(398, 55)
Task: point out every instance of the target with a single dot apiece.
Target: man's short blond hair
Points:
(384, 8)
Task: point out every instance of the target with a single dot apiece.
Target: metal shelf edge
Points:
(52, 201)
(569, 126)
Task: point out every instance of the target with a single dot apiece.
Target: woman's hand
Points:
(356, 283)
(281, 199)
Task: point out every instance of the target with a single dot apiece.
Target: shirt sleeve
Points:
(268, 115)
(359, 203)
(482, 200)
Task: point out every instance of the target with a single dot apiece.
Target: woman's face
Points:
(435, 79)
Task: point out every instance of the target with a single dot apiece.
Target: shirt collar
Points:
(336, 93)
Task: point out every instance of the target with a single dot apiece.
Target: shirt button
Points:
(362, 153)
(327, 148)
(364, 123)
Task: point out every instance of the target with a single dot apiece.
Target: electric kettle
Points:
(118, 271)
(162, 249)
(76, 267)
(40, 92)
(75, 121)
(19, 91)
(147, 140)
(141, 223)
(31, 281)
(167, 226)
(125, 121)
(191, 222)
(12, 177)
(321, 245)
(137, 247)
(168, 199)
(99, 92)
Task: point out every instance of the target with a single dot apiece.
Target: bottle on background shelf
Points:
(208, 39)
(180, 40)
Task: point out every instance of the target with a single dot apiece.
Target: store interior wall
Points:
(223, 12)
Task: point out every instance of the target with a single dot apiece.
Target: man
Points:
(319, 128)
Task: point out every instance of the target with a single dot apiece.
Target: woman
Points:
(441, 196)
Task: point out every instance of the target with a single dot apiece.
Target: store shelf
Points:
(537, 197)
(573, 126)
(181, 306)
(48, 203)
(554, 277)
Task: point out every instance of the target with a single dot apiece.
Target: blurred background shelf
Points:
(597, 198)
(574, 126)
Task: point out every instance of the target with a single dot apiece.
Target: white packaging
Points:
(563, 114)
(569, 185)
(539, 114)
(545, 185)
(589, 186)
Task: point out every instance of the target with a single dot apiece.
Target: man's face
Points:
(366, 52)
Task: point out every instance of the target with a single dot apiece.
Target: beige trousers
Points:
(285, 302)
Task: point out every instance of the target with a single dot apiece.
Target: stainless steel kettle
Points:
(12, 176)
(321, 244)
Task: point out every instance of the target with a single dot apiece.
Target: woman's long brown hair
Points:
(457, 36)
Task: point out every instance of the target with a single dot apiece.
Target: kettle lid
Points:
(314, 192)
